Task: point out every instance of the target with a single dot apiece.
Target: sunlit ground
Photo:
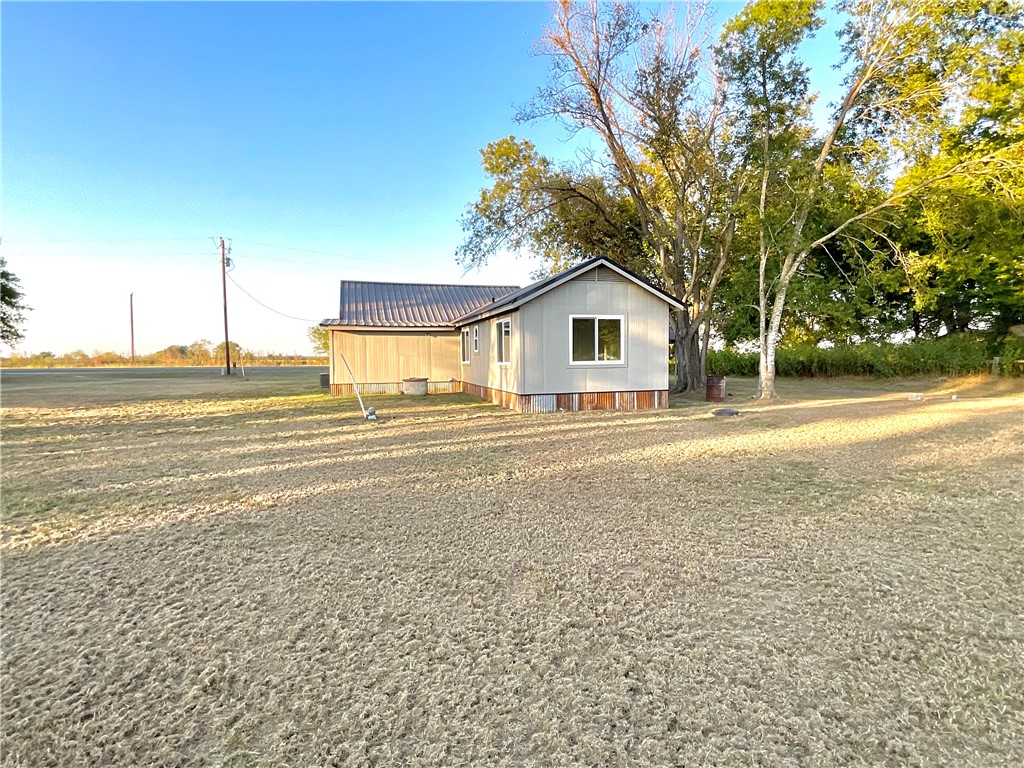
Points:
(246, 572)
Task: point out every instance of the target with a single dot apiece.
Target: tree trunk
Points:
(768, 341)
(766, 371)
(691, 360)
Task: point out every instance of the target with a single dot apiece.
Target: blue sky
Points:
(327, 141)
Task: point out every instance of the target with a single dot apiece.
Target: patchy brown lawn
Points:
(259, 577)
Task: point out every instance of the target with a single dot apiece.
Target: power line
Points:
(299, 250)
(294, 261)
(265, 306)
(107, 240)
(133, 254)
(343, 257)
(320, 253)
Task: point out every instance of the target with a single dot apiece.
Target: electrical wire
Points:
(321, 253)
(276, 312)
(108, 240)
(293, 261)
(299, 250)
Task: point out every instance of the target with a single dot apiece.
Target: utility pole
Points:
(224, 285)
(131, 320)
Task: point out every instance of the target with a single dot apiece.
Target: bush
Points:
(729, 362)
(1012, 351)
(954, 355)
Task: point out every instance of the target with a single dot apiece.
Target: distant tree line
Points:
(198, 353)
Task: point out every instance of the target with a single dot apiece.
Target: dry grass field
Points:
(204, 571)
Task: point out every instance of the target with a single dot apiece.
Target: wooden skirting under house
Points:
(395, 388)
(642, 400)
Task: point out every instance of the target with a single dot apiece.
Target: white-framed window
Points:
(465, 346)
(476, 339)
(596, 340)
(503, 332)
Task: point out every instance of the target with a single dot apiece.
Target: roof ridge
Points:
(437, 285)
(371, 304)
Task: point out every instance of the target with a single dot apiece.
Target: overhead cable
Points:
(265, 306)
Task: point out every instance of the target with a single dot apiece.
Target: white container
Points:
(414, 386)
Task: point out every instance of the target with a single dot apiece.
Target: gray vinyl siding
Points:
(544, 336)
(483, 368)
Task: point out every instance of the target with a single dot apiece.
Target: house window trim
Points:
(464, 346)
(476, 339)
(621, 362)
(499, 342)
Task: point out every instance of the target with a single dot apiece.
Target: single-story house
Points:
(592, 337)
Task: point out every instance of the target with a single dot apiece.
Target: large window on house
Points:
(503, 330)
(465, 346)
(596, 339)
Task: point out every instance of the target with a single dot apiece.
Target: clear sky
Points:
(326, 141)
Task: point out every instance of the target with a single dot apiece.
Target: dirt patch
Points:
(279, 582)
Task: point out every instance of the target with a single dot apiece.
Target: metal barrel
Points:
(714, 391)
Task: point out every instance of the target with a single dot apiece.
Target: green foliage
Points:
(12, 306)
(729, 362)
(955, 354)
(758, 54)
(236, 353)
(562, 214)
(319, 337)
(903, 214)
(930, 86)
(1011, 354)
(962, 246)
(656, 196)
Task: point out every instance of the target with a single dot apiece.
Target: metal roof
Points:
(411, 305)
(517, 298)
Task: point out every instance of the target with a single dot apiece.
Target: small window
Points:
(596, 339)
(476, 339)
(504, 345)
(465, 346)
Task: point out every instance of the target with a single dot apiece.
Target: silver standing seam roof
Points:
(411, 305)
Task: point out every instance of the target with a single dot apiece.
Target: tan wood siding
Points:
(388, 357)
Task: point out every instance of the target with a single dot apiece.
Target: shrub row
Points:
(954, 355)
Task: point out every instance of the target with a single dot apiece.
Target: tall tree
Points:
(318, 337)
(965, 235)
(961, 248)
(665, 177)
(561, 213)
(907, 63)
(12, 306)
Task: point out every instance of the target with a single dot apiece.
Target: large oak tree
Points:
(659, 193)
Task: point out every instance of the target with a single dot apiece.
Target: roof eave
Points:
(556, 280)
(385, 328)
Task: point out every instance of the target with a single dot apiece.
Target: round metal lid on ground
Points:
(725, 412)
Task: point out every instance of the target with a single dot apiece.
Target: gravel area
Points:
(276, 582)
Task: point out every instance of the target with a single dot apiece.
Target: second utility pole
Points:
(131, 321)
(224, 284)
